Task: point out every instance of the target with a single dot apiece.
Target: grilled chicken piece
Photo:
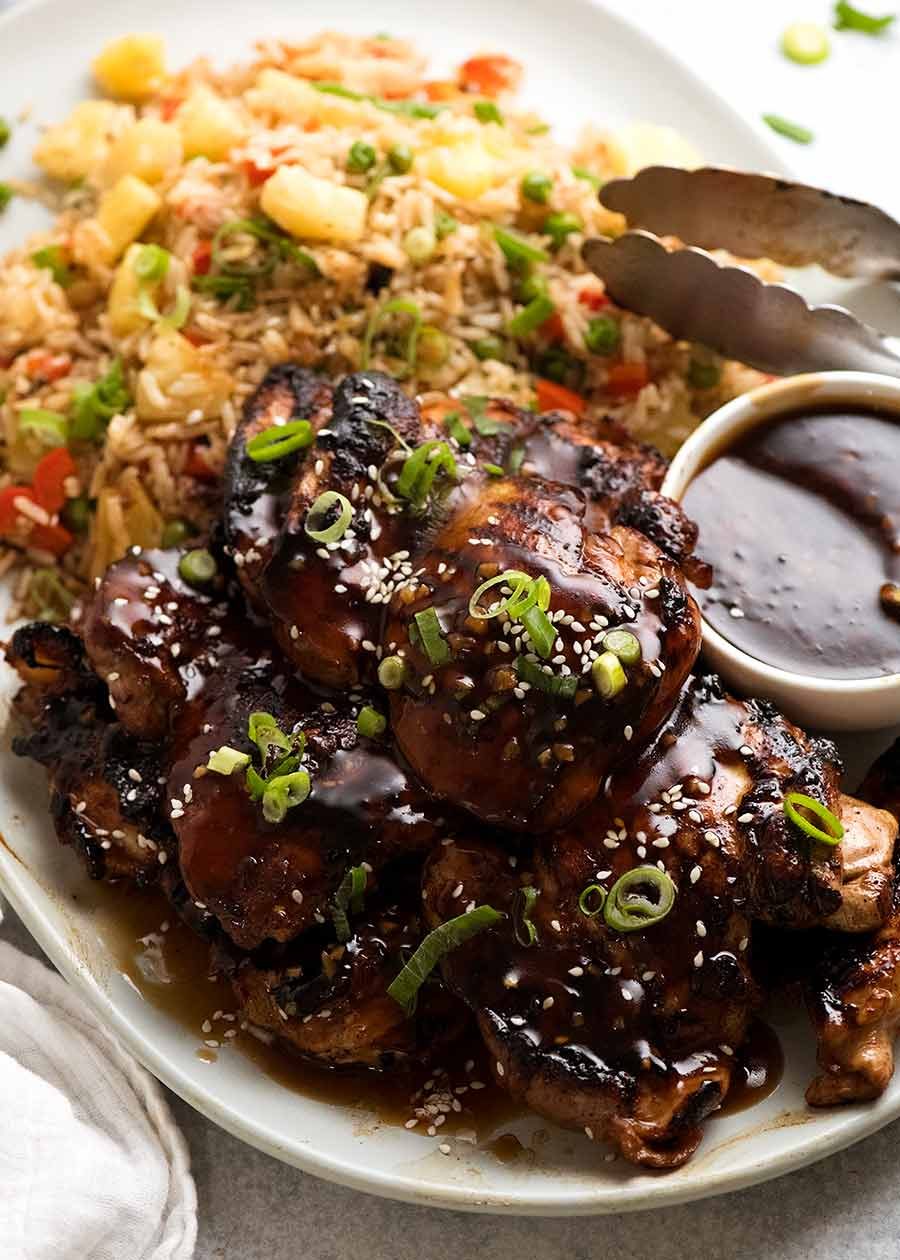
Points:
(524, 757)
(324, 600)
(332, 1004)
(274, 880)
(853, 993)
(151, 636)
(257, 493)
(105, 787)
(631, 1034)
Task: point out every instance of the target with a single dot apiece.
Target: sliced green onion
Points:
(702, 374)
(174, 534)
(536, 187)
(76, 514)
(434, 347)
(227, 287)
(623, 644)
(848, 18)
(487, 112)
(421, 469)
(832, 831)
(444, 224)
(510, 577)
(784, 127)
(411, 109)
(541, 631)
(151, 263)
(562, 686)
(806, 43)
(494, 470)
(591, 900)
(370, 723)
(323, 510)
(405, 988)
(53, 600)
(280, 440)
(361, 157)
(178, 316)
(53, 258)
(603, 335)
(256, 784)
(226, 760)
(526, 932)
(516, 459)
(530, 317)
(419, 244)
(348, 900)
(517, 251)
(581, 172)
(6, 196)
(627, 910)
(457, 430)
(197, 567)
(50, 427)
(397, 306)
(5, 133)
(264, 731)
(93, 406)
(489, 348)
(283, 793)
(434, 644)
(531, 286)
(280, 247)
(608, 675)
(476, 405)
(400, 158)
(391, 672)
(560, 225)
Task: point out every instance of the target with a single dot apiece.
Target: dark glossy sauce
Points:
(758, 1069)
(170, 969)
(801, 522)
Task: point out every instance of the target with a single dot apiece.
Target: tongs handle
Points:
(760, 216)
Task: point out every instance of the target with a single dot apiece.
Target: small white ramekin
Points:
(827, 703)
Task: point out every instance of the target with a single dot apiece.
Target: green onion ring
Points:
(624, 644)
(563, 686)
(835, 828)
(283, 793)
(348, 898)
(541, 631)
(420, 469)
(526, 932)
(397, 306)
(320, 510)
(593, 892)
(627, 911)
(404, 989)
(433, 642)
(508, 576)
(279, 440)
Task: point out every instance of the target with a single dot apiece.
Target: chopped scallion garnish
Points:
(563, 686)
(628, 910)
(608, 675)
(93, 406)
(806, 43)
(279, 440)
(513, 578)
(53, 258)
(391, 672)
(333, 507)
(457, 430)
(421, 469)
(517, 251)
(477, 405)
(526, 932)
(832, 830)
(848, 18)
(541, 630)
(284, 792)
(50, 427)
(530, 317)
(370, 723)
(226, 760)
(405, 988)
(591, 900)
(624, 644)
(784, 127)
(411, 109)
(435, 646)
(348, 900)
(397, 306)
(197, 567)
(487, 112)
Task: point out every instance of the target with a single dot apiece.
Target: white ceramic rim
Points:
(734, 420)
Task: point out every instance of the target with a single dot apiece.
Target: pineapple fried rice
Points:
(326, 203)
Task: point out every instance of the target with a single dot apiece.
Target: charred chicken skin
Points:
(443, 651)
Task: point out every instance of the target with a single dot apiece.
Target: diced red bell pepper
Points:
(553, 329)
(554, 397)
(196, 464)
(52, 538)
(491, 75)
(440, 90)
(169, 107)
(50, 477)
(593, 299)
(201, 259)
(9, 517)
(627, 378)
(49, 367)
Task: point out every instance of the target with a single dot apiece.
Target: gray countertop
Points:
(254, 1208)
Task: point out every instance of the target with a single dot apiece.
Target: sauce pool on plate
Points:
(801, 523)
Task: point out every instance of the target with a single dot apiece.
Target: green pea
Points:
(175, 533)
(400, 158)
(489, 348)
(603, 335)
(560, 225)
(536, 186)
(361, 157)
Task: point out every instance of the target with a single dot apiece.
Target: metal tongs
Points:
(728, 308)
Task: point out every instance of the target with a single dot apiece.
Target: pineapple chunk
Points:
(131, 68)
(644, 144)
(179, 379)
(466, 170)
(122, 304)
(149, 149)
(72, 149)
(305, 205)
(293, 100)
(123, 214)
(209, 126)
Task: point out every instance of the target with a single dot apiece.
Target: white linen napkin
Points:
(92, 1166)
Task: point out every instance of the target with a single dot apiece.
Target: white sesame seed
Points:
(745, 818)
(701, 928)
(555, 924)
(628, 732)
(500, 1070)
(698, 958)
(297, 896)
(477, 716)
(648, 975)
(576, 971)
(743, 943)
(547, 1003)
(696, 872)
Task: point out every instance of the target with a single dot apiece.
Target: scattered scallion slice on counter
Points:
(849, 18)
(434, 645)
(806, 43)
(591, 900)
(226, 760)
(526, 932)
(282, 793)
(348, 900)
(197, 567)
(370, 723)
(330, 507)
(784, 127)
(280, 440)
(832, 830)
(449, 936)
(627, 909)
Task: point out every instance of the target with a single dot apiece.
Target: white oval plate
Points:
(582, 63)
